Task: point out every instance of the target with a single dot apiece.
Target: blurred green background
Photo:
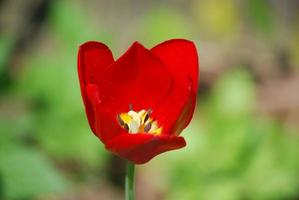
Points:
(243, 142)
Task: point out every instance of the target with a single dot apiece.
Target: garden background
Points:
(243, 142)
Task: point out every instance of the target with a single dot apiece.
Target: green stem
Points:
(130, 181)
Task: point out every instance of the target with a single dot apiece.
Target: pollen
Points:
(138, 122)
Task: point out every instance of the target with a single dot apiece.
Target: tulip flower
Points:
(139, 104)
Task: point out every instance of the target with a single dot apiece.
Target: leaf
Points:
(26, 174)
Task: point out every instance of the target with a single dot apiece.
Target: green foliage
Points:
(26, 173)
(261, 15)
(233, 154)
(233, 96)
(50, 123)
(50, 84)
(5, 49)
(59, 119)
(74, 26)
(162, 24)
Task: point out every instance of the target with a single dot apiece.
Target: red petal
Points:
(140, 148)
(93, 59)
(180, 56)
(138, 78)
(105, 123)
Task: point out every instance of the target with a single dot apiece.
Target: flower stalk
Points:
(130, 189)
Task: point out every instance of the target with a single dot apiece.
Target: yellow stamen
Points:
(138, 122)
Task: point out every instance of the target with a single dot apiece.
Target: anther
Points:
(147, 115)
(126, 127)
(120, 121)
(148, 127)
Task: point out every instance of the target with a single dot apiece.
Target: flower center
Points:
(138, 122)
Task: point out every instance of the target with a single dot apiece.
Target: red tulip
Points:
(139, 104)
